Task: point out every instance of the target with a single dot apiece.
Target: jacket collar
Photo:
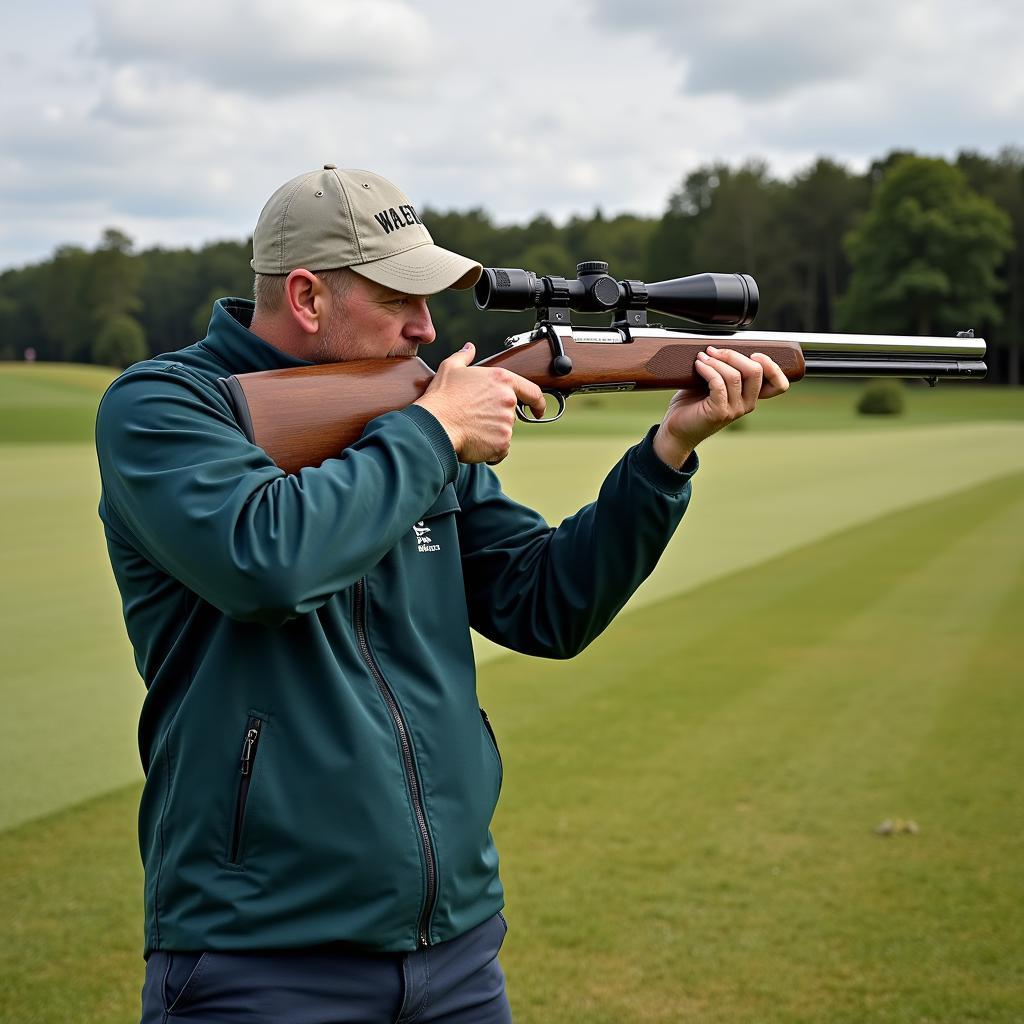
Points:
(233, 344)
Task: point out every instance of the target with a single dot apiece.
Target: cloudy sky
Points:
(175, 121)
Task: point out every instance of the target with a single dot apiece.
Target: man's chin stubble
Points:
(330, 350)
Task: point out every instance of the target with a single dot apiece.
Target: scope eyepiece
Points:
(506, 289)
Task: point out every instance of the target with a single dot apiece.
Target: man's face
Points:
(370, 321)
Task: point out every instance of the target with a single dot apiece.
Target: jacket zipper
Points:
(411, 777)
(249, 746)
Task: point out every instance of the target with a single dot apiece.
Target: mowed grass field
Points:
(686, 823)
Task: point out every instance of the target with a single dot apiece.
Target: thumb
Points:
(464, 356)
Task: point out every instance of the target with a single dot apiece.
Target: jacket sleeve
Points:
(212, 510)
(550, 591)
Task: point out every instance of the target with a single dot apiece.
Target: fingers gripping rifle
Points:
(303, 416)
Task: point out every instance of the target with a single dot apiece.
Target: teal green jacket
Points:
(317, 766)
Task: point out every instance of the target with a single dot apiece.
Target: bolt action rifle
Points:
(303, 416)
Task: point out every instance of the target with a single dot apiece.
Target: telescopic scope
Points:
(719, 300)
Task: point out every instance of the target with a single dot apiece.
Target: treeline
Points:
(913, 246)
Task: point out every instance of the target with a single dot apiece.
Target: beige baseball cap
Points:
(334, 218)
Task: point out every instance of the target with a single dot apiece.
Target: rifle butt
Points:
(301, 417)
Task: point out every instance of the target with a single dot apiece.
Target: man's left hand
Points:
(735, 383)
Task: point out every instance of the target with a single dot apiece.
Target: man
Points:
(319, 778)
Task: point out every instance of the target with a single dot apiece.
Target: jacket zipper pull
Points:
(250, 742)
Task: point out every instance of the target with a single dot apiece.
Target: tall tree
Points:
(60, 300)
(114, 279)
(20, 327)
(925, 256)
(169, 292)
(226, 264)
(822, 204)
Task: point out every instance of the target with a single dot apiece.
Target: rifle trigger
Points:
(558, 396)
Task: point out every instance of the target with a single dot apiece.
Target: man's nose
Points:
(420, 326)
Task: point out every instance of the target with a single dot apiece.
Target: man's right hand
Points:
(476, 405)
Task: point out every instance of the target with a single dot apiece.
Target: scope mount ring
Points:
(559, 397)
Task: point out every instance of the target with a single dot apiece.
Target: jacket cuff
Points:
(660, 474)
(438, 437)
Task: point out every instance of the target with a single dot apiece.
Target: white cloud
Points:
(151, 98)
(761, 51)
(267, 47)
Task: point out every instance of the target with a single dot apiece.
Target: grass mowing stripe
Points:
(50, 402)
(892, 677)
(32, 384)
(965, 778)
(827, 581)
(69, 685)
(758, 496)
(682, 845)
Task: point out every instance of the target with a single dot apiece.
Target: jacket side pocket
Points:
(247, 765)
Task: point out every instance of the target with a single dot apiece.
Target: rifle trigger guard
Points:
(558, 396)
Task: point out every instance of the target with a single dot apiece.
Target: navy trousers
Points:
(457, 982)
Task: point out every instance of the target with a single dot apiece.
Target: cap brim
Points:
(422, 270)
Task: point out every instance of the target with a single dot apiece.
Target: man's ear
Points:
(303, 293)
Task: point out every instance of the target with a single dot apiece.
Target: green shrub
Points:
(120, 343)
(882, 398)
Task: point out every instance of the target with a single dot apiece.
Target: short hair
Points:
(268, 289)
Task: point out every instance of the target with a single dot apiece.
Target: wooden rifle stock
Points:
(305, 415)
(302, 416)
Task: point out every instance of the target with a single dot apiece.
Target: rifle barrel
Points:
(889, 366)
(857, 355)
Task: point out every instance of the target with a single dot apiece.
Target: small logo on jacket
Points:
(424, 542)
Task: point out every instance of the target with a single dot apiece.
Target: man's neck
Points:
(274, 331)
